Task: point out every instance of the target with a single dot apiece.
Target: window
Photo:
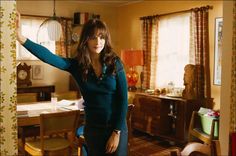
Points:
(173, 49)
(30, 29)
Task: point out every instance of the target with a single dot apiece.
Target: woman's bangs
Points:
(98, 32)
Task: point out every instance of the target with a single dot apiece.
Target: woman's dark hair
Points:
(107, 55)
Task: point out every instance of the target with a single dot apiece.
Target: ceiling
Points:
(113, 3)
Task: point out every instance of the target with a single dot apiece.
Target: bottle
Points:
(170, 87)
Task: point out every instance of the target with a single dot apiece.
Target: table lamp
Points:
(132, 58)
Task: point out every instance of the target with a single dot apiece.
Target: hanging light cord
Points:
(54, 8)
(53, 18)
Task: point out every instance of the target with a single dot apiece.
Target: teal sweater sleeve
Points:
(122, 95)
(46, 56)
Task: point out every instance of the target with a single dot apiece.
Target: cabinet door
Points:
(150, 115)
(151, 108)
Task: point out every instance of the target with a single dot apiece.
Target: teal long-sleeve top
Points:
(105, 97)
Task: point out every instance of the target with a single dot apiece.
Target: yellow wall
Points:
(124, 25)
(130, 26)
(226, 88)
(66, 9)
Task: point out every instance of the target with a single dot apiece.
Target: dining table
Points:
(28, 113)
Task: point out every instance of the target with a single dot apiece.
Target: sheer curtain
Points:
(30, 29)
(173, 49)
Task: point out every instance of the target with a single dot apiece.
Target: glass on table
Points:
(54, 103)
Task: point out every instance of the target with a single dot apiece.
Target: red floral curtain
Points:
(201, 48)
(63, 46)
(150, 43)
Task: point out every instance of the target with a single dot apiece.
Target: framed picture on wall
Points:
(37, 72)
(218, 50)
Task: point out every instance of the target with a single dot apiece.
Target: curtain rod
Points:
(40, 16)
(182, 11)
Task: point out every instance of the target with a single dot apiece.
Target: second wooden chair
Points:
(196, 131)
(54, 125)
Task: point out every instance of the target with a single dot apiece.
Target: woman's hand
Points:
(112, 142)
(20, 38)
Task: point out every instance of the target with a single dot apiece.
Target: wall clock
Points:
(23, 75)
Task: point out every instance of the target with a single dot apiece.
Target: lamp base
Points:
(132, 79)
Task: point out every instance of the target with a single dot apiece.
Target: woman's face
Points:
(96, 43)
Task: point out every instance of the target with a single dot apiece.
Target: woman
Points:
(100, 76)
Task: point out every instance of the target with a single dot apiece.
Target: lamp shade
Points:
(54, 30)
(132, 57)
(53, 25)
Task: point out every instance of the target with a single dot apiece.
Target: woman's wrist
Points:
(21, 39)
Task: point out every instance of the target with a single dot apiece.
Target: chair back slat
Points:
(59, 122)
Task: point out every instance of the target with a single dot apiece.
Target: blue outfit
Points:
(105, 99)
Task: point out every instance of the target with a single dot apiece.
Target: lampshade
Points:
(132, 58)
(54, 27)
(54, 30)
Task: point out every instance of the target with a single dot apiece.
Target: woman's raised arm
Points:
(41, 52)
(20, 38)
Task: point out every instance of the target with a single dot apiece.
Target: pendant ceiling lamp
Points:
(53, 26)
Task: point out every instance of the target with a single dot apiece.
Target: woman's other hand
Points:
(112, 142)
(20, 38)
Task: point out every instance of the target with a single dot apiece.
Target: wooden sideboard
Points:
(43, 91)
(163, 116)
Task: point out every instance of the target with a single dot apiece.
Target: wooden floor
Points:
(146, 145)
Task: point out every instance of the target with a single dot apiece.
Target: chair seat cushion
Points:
(50, 144)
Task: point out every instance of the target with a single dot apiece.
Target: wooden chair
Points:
(26, 131)
(26, 97)
(52, 125)
(209, 146)
(70, 95)
(81, 140)
(196, 132)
